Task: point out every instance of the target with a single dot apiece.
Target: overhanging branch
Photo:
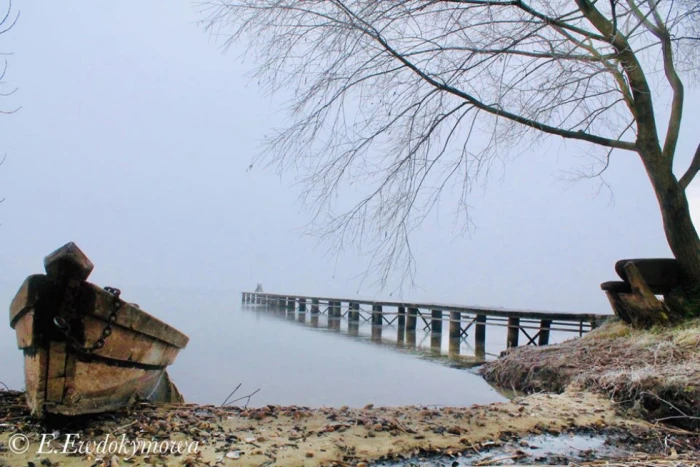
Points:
(692, 170)
(497, 111)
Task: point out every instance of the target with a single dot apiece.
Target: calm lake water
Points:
(292, 362)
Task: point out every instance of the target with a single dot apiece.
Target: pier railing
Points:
(534, 326)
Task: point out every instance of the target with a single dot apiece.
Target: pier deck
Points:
(534, 326)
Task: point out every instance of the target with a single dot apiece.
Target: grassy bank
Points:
(654, 374)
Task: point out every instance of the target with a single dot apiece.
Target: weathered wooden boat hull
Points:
(85, 349)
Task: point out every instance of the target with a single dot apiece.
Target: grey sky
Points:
(134, 140)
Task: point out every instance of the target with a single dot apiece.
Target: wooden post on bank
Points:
(513, 331)
(545, 324)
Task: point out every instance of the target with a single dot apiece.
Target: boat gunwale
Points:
(134, 319)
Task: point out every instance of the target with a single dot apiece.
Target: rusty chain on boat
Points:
(64, 327)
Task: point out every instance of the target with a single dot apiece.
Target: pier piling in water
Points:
(436, 321)
(480, 337)
(376, 315)
(402, 317)
(455, 324)
(411, 319)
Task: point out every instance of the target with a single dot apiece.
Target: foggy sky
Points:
(135, 138)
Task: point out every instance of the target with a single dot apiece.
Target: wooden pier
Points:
(533, 326)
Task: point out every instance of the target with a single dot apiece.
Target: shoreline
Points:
(299, 436)
(653, 374)
(615, 385)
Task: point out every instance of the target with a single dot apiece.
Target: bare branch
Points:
(399, 105)
(689, 175)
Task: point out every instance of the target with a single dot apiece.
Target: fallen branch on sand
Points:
(228, 402)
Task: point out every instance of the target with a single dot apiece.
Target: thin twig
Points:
(232, 393)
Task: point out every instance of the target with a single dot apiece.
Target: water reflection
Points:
(453, 352)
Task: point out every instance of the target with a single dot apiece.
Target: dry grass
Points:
(655, 372)
(687, 460)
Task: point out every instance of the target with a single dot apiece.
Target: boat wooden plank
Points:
(56, 374)
(27, 296)
(99, 387)
(35, 362)
(24, 330)
(99, 303)
(127, 345)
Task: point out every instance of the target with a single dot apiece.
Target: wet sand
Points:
(299, 436)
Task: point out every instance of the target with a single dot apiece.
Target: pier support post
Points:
(545, 325)
(513, 331)
(354, 313)
(354, 318)
(377, 333)
(455, 325)
(411, 320)
(334, 315)
(402, 317)
(480, 337)
(436, 321)
(314, 306)
(454, 346)
(302, 305)
(411, 339)
(376, 315)
(436, 331)
(291, 303)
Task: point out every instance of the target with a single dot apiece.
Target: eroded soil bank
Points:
(653, 374)
(298, 436)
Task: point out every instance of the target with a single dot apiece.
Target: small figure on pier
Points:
(259, 289)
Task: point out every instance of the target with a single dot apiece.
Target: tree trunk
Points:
(681, 234)
(680, 231)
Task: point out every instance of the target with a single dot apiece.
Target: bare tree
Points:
(6, 23)
(391, 94)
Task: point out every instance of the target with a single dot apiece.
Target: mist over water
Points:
(293, 362)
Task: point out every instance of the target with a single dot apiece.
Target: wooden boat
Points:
(85, 349)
